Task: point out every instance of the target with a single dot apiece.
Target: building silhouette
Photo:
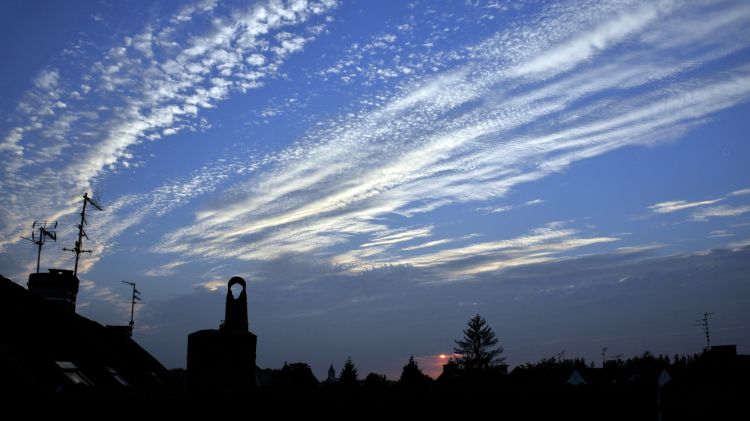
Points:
(223, 360)
(47, 350)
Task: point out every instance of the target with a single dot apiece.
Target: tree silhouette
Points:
(348, 376)
(477, 349)
(376, 382)
(412, 375)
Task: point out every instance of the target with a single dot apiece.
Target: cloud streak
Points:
(84, 128)
(718, 212)
(678, 205)
(462, 125)
(473, 132)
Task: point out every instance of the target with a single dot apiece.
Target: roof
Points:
(45, 351)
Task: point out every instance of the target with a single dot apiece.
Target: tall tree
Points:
(348, 376)
(478, 350)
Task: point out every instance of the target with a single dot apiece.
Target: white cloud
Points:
(719, 211)
(399, 236)
(256, 60)
(741, 192)
(536, 237)
(739, 245)
(640, 248)
(201, 63)
(678, 205)
(583, 47)
(428, 244)
(214, 285)
(47, 80)
(460, 136)
(165, 269)
(466, 130)
(719, 234)
(506, 208)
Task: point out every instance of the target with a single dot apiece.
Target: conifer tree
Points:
(477, 350)
(348, 376)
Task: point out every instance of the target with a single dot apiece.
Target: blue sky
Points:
(381, 171)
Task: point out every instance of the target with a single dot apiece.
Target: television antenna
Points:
(136, 296)
(703, 323)
(78, 248)
(46, 232)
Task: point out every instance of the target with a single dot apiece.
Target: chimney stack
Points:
(59, 286)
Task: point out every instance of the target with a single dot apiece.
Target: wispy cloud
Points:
(640, 248)
(460, 126)
(165, 269)
(703, 213)
(83, 127)
(678, 205)
(427, 244)
(718, 211)
(463, 136)
(719, 234)
(541, 245)
(399, 236)
(584, 46)
(506, 208)
(741, 192)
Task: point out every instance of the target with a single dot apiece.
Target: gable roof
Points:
(576, 379)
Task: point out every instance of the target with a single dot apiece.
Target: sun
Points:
(443, 356)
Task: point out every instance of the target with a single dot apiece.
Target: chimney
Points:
(59, 286)
(235, 314)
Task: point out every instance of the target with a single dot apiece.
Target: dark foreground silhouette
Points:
(56, 359)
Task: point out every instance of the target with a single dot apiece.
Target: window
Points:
(73, 373)
(117, 376)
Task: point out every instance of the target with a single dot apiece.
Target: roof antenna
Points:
(136, 296)
(46, 231)
(703, 323)
(78, 249)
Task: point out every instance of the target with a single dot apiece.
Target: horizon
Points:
(378, 173)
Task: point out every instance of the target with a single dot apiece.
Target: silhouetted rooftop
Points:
(44, 354)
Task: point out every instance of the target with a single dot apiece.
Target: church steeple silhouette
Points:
(331, 375)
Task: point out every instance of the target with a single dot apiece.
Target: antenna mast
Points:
(135, 296)
(703, 323)
(78, 249)
(46, 230)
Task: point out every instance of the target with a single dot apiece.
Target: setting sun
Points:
(443, 356)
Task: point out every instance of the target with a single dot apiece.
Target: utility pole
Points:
(703, 323)
(135, 296)
(46, 231)
(78, 248)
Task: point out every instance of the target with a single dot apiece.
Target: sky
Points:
(379, 172)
